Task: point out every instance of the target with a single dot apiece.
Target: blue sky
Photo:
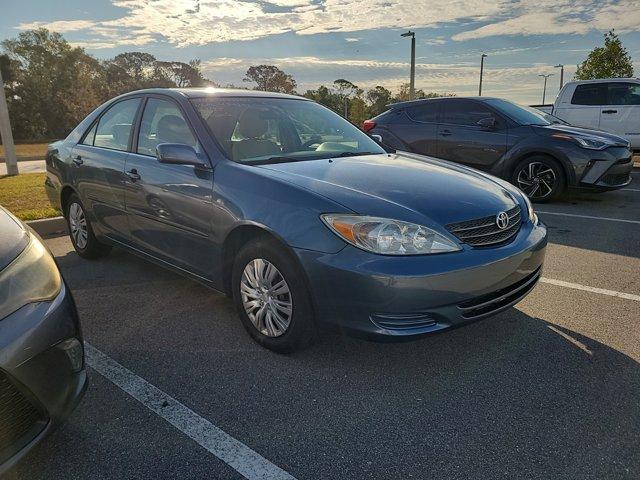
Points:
(318, 41)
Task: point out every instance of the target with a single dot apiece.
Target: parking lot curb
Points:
(49, 227)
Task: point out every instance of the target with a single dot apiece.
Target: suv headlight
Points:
(592, 143)
(32, 277)
(388, 237)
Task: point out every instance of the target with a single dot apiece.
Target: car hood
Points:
(403, 186)
(13, 238)
(570, 129)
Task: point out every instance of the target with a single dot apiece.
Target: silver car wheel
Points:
(78, 225)
(266, 297)
(537, 180)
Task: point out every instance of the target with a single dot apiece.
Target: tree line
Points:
(51, 85)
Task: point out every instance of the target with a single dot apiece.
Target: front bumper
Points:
(42, 372)
(609, 169)
(407, 296)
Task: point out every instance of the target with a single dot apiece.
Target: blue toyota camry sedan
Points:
(298, 215)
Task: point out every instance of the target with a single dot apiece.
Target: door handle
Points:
(445, 133)
(133, 174)
(609, 111)
(78, 160)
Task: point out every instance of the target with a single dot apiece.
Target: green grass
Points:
(25, 197)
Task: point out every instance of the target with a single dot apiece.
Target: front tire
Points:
(541, 178)
(270, 296)
(81, 233)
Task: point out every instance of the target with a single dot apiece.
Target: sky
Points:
(319, 41)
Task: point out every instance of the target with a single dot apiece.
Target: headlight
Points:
(32, 277)
(532, 215)
(388, 237)
(592, 143)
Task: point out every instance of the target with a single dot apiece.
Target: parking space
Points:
(548, 389)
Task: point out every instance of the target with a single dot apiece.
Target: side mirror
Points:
(179, 154)
(487, 123)
(377, 138)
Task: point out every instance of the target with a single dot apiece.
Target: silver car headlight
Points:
(388, 237)
(532, 215)
(589, 142)
(32, 277)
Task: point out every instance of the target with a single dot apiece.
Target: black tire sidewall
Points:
(301, 330)
(94, 248)
(560, 184)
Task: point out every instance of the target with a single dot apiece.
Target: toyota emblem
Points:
(502, 220)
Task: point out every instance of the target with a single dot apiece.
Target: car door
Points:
(621, 115)
(461, 139)
(586, 103)
(98, 167)
(416, 127)
(169, 207)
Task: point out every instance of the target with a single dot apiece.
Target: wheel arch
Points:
(568, 172)
(65, 195)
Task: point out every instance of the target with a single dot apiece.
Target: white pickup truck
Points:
(611, 104)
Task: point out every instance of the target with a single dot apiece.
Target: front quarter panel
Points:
(245, 194)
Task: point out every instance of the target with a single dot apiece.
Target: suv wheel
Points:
(81, 233)
(270, 296)
(540, 178)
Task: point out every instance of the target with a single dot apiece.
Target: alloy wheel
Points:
(78, 225)
(537, 180)
(266, 297)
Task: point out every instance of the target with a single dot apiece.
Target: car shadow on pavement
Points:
(512, 396)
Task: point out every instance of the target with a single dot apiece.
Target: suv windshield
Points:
(523, 115)
(264, 130)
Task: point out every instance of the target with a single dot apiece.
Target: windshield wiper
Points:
(353, 154)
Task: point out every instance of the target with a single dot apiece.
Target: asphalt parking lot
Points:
(549, 389)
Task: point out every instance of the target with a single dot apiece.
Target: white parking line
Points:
(592, 217)
(234, 453)
(630, 190)
(586, 288)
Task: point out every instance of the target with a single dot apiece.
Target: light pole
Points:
(561, 67)
(6, 135)
(544, 91)
(412, 80)
(482, 57)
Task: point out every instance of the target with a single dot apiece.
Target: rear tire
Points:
(80, 231)
(271, 297)
(540, 177)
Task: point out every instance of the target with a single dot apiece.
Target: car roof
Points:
(201, 92)
(604, 80)
(421, 101)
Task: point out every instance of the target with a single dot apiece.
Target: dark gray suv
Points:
(537, 152)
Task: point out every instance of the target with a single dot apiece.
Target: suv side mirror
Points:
(179, 154)
(487, 123)
(377, 138)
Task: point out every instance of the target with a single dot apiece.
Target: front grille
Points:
(484, 232)
(402, 322)
(615, 178)
(20, 420)
(491, 302)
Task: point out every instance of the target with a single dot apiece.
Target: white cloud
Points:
(352, 39)
(60, 26)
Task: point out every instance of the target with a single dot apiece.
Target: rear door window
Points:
(620, 93)
(590, 94)
(114, 127)
(424, 113)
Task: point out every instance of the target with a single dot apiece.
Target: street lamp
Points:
(561, 67)
(412, 80)
(544, 91)
(482, 57)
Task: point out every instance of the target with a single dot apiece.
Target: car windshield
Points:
(268, 130)
(523, 115)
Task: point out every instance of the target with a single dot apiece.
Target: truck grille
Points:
(484, 232)
(20, 420)
(491, 302)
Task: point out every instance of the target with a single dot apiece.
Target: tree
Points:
(270, 78)
(403, 94)
(610, 61)
(379, 97)
(53, 84)
(184, 74)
